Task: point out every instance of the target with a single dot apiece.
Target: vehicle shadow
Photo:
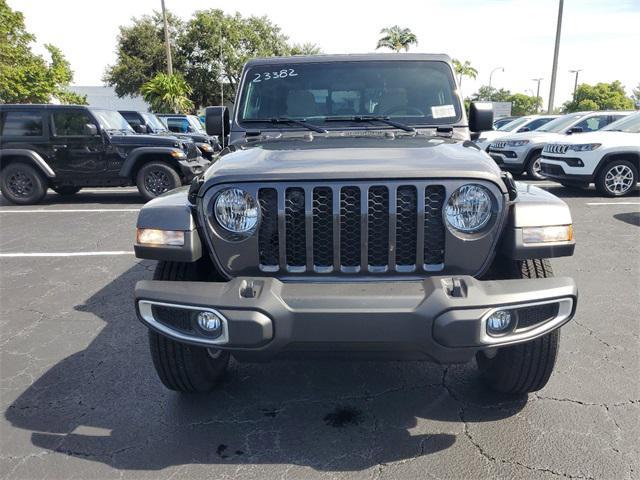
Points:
(82, 198)
(632, 218)
(105, 404)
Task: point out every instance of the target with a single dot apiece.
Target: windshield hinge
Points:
(444, 131)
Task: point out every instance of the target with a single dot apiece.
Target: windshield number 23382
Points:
(284, 73)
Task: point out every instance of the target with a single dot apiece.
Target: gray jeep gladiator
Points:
(349, 215)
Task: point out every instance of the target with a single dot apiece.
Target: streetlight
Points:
(537, 80)
(575, 84)
(491, 74)
(556, 52)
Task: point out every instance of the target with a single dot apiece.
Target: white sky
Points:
(601, 37)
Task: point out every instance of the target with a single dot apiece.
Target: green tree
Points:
(215, 46)
(464, 70)
(167, 94)
(397, 38)
(141, 53)
(636, 94)
(24, 76)
(305, 49)
(602, 96)
(521, 104)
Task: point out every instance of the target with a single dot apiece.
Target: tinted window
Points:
(538, 122)
(417, 92)
(180, 125)
(22, 124)
(70, 123)
(592, 124)
(131, 117)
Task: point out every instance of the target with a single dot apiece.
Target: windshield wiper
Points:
(278, 120)
(371, 118)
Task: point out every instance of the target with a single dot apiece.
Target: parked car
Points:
(340, 222)
(610, 158)
(181, 123)
(521, 152)
(521, 124)
(502, 121)
(145, 122)
(67, 147)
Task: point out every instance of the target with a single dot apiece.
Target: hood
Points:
(353, 158)
(150, 140)
(619, 138)
(534, 136)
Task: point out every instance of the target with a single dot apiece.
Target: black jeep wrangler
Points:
(350, 216)
(66, 147)
(145, 122)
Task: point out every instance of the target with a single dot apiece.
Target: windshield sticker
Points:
(266, 76)
(443, 111)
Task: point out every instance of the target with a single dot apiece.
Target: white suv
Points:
(520, 152)
(610, 158)
(521, 124)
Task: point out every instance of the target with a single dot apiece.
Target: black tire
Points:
(533, 167)
(66, 190)
(526, 367)
(182, 367)
(156, 178)
(22, 184)
(603, 179)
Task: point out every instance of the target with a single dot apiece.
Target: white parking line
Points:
(612, 203)
(64, 254)
(72, 210)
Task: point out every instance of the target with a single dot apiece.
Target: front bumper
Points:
(556, 170)
(193, 167)
(511, 159)
(439, 318)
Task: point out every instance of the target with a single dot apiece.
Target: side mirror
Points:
(480, 116)
(217, 122)
(140, 128)
(574, 130)
(90, 130)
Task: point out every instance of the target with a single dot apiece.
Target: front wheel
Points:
(525, 367)
(534, 169)
(182, 367)
(617, 178)
(22, 184)
(156, 178)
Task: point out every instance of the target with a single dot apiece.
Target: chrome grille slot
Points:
(351, 228)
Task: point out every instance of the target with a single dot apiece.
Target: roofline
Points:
(351, 57)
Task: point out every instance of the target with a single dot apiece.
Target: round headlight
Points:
(469, 208)
(236, 210)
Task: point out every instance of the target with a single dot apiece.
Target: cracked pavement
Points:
(80, 398)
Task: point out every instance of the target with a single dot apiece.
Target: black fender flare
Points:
(31, 156)
(612, 155)
(530, 155)
(137, 154)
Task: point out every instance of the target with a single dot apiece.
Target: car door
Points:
(78, 151)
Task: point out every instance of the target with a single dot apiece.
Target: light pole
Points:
(556, 51)
(167, 45)
(575, 84)
(491, 74)
(537, 80)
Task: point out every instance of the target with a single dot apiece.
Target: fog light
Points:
(500, 322)
(154, 237)
(209, 322)
(560, 233)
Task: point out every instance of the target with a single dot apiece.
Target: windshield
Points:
(514, 124)
(561, 123)
(413, 92)
(112, 120)
(630, 124)
(154, 122)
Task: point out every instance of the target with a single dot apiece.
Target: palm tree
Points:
(306, 49)
(397, 39)
(464, 70)
(167, 93)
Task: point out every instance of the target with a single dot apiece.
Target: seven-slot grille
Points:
(351, 228)
(554, 148)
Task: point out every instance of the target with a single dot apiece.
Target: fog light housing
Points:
(156, 238)
(210, 323)
(500, 322)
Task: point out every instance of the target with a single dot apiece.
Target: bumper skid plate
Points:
(441, 318)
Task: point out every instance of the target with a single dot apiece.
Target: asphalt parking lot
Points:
(80, 398)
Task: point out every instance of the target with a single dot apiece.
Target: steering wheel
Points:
(404, 109)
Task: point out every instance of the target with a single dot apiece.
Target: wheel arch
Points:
(141, 156)
(531, 154)
(11, 155)
(633, 157)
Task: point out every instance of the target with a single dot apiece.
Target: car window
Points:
(22, 124)
(70, 123)
(592, 124)
(513, 125)
(629, 124)
(180, 125)
(538, 122)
